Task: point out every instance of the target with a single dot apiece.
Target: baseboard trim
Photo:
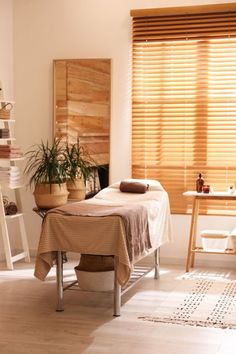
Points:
(228, 262)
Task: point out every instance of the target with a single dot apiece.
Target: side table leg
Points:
(59, 271)
(192, 235)
(194, 232)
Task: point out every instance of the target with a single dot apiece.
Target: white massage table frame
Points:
(117, 291)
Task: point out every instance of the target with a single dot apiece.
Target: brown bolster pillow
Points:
(133, 187)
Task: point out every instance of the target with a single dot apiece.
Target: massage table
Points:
(103, 235)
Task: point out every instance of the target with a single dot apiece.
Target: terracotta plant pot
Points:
(49, 196)
(76, 189)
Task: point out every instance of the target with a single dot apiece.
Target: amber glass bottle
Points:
(199, 183)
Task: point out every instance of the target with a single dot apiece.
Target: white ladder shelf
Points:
(5, 234)
(5, 219)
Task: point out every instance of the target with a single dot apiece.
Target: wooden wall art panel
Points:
(82, 90)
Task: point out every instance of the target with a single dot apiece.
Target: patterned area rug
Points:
(199, 302)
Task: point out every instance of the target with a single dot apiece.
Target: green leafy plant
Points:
(46, 163)
(79, 163)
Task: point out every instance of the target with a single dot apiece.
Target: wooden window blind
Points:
(184, 100)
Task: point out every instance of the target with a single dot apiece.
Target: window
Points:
(184, 100)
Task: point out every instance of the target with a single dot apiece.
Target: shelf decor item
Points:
(5, 110)
(79, 168)
(199, 183)
(46, 166)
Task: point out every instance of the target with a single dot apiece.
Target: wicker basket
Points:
(95, 272)
(76, 189)
(48, 196)
(95, 281)
(5, 111)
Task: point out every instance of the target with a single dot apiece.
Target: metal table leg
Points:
(117, 290)
(156, 263)
(59, 272)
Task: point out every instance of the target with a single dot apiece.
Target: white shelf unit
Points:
(19, 216)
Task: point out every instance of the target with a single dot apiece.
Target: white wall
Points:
(52, 29)
(6, 58)
(6, 46)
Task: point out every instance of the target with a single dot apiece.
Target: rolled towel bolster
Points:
(11, 209)
(133, 187)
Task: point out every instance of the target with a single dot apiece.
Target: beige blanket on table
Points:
(134, 217)
(103, 236)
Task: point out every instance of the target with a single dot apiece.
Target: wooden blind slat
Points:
(186, 10)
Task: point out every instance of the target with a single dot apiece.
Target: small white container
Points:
(233, 239)
(214, 240)
(95, 281)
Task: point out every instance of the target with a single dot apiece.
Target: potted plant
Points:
(46, 165)
(80, 167)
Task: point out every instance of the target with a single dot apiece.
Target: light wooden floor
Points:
(29, 323)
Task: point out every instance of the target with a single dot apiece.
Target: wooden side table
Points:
(192, 248)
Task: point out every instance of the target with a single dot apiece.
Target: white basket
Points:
(233, 241)
(214, 240)
(95, 281)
